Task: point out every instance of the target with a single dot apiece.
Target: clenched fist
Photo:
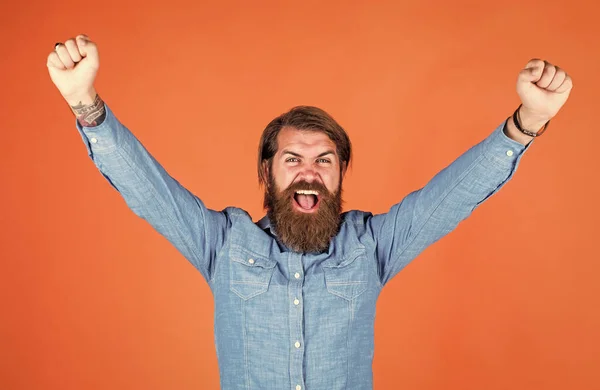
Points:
(73, 67)
(543, 89)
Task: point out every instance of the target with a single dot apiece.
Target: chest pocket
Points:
(348, 278)
(250, 274)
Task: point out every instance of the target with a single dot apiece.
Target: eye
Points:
(323, 160)
(292, 159)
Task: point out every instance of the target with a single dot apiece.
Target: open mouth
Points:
(307, 201)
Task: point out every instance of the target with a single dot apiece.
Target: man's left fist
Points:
(543, 89)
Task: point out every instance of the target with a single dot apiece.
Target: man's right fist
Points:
(73, 66)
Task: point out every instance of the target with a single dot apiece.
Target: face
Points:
(304, 191)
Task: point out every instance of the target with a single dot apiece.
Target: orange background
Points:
(92, 298)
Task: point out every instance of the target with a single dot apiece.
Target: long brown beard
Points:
(304, 232)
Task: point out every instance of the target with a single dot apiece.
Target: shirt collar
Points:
(265, 224)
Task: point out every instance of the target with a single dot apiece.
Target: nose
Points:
(308, 174)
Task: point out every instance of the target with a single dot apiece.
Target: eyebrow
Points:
(299, 155)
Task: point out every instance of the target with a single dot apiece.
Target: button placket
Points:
(295, 285)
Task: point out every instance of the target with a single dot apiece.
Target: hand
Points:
(73, 67)
(543, 89)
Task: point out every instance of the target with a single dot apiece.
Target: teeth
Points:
(307, 192)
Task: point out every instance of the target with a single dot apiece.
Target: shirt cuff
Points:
(101, 139)
(502, 150)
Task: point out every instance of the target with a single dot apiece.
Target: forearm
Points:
(152, 194)
(88, 108)
(426, 215)
(454, 193)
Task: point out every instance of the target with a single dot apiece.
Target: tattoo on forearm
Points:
(89, 115)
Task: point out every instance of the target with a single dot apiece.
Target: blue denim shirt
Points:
(286, 320)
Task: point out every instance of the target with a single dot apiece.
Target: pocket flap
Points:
(250, 258)
(346, 260)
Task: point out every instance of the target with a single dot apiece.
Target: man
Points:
(295, 293)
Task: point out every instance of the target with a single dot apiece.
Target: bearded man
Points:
(295, 293)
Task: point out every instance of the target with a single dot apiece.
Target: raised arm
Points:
(428, 214)
(149, 191)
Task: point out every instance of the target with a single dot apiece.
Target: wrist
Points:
(530, 125)
(81, 98)
(530, 120)
(513, 133)
(88, 108)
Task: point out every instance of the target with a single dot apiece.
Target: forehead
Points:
(303, 140)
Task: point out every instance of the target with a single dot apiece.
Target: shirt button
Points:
(509, 153)
(297, 275)
(297, 344)
(298, 387)
(94, 140)
(251, 261)
(296, 302)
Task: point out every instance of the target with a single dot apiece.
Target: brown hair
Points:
(302, 118)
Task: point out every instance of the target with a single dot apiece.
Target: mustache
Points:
(304, 185)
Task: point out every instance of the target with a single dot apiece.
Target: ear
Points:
(344, 168)
(265, 169)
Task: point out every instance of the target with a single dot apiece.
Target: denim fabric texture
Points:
(286, 320)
